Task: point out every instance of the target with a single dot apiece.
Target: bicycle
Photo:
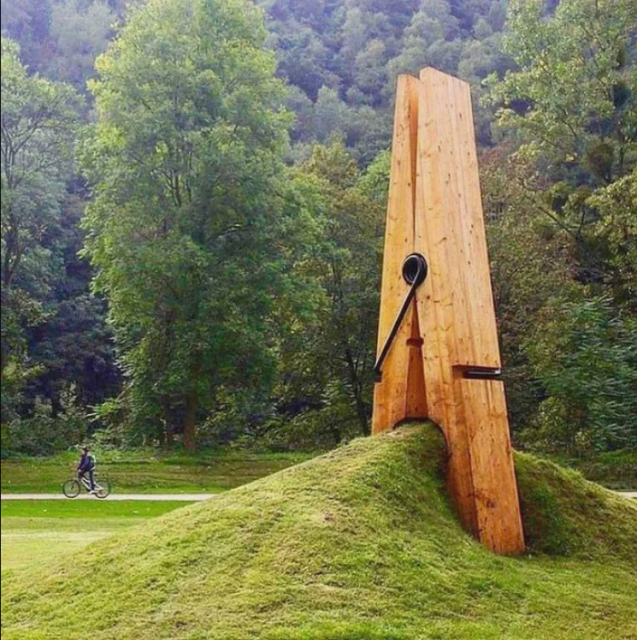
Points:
(73, 487)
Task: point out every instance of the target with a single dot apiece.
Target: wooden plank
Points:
(479, 333)
(449, 168)
(457, 318)
(416, 396)
(395, 397)
(497, 512)
(434, 238)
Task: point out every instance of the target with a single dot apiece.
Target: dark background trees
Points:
(234, 248)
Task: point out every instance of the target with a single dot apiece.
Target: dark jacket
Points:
(87, 463)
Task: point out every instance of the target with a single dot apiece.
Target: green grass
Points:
(148, 472)
(37, 531)
(614, 469)
(85, 509)
(361, 543)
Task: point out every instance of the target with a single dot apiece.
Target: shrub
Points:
(44, 432)
(586, 359)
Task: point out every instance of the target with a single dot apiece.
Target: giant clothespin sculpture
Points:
(438, 354)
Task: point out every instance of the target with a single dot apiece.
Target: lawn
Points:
(361, 543)
(613, 469)
(149, 472)
(34, 532)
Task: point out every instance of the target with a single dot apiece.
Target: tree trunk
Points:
(169, 439)
(190, 422)
(357, 390)
(168, 423)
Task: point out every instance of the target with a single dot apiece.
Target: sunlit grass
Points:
(149, 472)
(360, 543)
(36, 532)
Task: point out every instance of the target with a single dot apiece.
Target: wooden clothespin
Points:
(443, 361)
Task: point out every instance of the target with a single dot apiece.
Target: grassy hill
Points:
(358, 544)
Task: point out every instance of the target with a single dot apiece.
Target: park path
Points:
(177, 497)
(121, 497)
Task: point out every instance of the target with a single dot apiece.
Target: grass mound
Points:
(361, 543)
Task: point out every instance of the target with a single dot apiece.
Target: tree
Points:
(303, 58)
(355, 49)
(72, 346)
(331, 116)
(26, 22)
(567, 113)
(328, 354)
(616, 230)
(570, 107)
(586, 357)
(531, 275)
(371, 71)
(79, 33)
(186, 163)
(417, 38)
(572, 98)
(39, 124)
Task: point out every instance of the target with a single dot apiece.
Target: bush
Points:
(586, 359)
(45, 433)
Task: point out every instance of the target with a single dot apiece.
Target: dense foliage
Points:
(221, 181)
(185, 223)
(55, 343)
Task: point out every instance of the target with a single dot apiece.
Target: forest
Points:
(193, 202)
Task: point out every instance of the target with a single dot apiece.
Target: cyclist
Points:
(86, 466)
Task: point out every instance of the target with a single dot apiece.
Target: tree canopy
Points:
(186, 162)
(209, 270)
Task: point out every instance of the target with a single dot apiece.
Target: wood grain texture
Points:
(455, 308)
(498, 520)
(400, 393)
(435, 209)
(436, 238)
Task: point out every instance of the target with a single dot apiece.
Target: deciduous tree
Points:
(39, 125)
(186, 162)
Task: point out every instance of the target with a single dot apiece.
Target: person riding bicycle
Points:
(86, 466)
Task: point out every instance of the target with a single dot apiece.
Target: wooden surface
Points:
(401, 392)
(439, 214)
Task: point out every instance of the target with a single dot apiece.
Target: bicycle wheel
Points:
(71, 488)
(103, 489)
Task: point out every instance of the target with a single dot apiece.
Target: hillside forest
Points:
(193, 201)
